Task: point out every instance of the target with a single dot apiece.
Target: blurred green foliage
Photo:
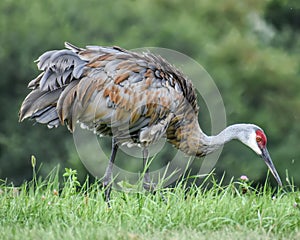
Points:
(250, 48)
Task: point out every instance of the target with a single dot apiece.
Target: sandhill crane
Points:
(136, 98)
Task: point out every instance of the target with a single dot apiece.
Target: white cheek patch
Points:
(253, 144)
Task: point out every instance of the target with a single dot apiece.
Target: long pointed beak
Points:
(266, 156)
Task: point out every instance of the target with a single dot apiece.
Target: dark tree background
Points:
(250, 48)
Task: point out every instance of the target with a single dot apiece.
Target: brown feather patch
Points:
(121, 78)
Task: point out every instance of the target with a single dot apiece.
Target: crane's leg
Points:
(147, 181)
(107, 179)
(147, 184)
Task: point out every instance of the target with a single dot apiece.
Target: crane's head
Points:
(255, 138)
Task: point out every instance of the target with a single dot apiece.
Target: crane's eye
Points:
(261, 139)
(258, 139)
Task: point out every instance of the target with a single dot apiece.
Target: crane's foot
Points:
(152, 188)
(147, 183)
(107, 190)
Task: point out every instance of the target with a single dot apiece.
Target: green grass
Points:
(37, 210)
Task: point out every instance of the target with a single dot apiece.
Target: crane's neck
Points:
(199, 144)
(212, 143)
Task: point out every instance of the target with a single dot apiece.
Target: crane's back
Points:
(137, 98)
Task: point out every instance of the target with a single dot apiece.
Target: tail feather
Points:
(58, 69)
(65, 105)
(51, 99)
(44, 59)
(73, 47)
(26, 109)
(47, 116)
(38, 104)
